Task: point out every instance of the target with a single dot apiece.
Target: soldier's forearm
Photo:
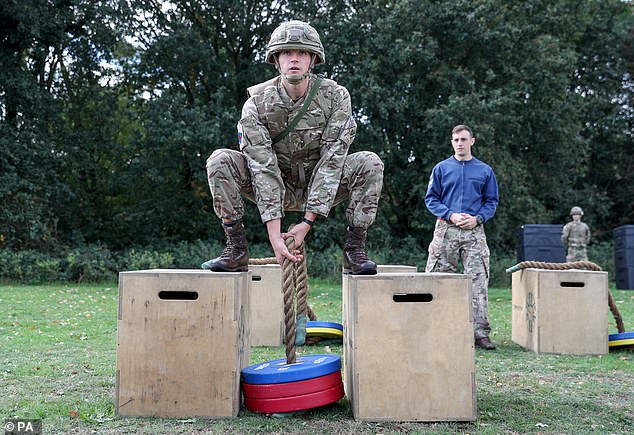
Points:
(273, 228)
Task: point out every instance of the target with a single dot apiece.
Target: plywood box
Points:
(182, 341)
(560, 311)
(395, 268)
(267, 305)
(409, 347)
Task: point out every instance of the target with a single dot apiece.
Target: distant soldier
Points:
(576, 236)
(294, 136)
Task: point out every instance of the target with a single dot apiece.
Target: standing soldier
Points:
(576, 236)
(463, 195)
(294, 136)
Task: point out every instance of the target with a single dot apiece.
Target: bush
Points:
(602, 253)
(406, 251)
(28, 267)
(91, 263)
(325, 264)
(498, 263)
(142, 259)
(190, 255)
(96, 263)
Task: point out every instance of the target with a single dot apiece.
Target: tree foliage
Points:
(110, 108)
(56, 115)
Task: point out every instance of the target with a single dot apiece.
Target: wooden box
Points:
(409, 347)
(395, 268)
(267, 305)
(182, 341)
(560, 311)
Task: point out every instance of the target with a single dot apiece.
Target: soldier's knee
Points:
(374, 160)
(372, 163)
(218, 158)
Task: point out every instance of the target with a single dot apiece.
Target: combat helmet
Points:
(576, 210)
(295, 35)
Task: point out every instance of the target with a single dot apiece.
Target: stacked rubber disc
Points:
(324, 330)
(277, 387)
(622, 339)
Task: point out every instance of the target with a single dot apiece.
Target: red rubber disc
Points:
(295, 403)
(289, 389)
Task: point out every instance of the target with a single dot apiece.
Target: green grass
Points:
(59, 355)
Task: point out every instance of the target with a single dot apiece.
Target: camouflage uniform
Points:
(451, 244)
(308, 170)
(576, 236)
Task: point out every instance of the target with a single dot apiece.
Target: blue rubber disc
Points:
(278, 372)
(316, 324)
(620, 336)
(621, 339)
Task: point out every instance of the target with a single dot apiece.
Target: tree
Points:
(110, 109)
(54, 105)
(604, 78)
(194, 65)
(416, 69)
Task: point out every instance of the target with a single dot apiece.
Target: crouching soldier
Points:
(294, 135)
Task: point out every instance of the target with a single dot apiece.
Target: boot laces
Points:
(358, 253)
(356, 249)
(226, 253)
(231, 249)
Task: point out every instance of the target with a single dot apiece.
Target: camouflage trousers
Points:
(361, 182)
(451, 244)
(577, 253)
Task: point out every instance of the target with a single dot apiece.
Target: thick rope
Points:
(620, 326)
(260, 261)
(294, 279)
(311, 314)
(588, 265)
(300, 281)
(288, 285)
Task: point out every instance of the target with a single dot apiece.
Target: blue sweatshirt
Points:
(462, 187)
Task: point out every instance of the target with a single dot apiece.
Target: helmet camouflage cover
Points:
(576, 210)
(295, 35)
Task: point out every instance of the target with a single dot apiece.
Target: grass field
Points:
(59, 356)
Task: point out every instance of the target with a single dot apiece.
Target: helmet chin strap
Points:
(295, 79)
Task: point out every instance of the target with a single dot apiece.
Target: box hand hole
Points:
(572, 284)
(412, 297)
(256, 278)
(168, 295)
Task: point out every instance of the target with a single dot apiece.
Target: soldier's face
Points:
(294, 62)
(462, 143)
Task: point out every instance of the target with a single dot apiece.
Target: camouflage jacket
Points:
(310, 157)
(575, 234)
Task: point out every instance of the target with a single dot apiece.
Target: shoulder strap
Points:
(301, 113)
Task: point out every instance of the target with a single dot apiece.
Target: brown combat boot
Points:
(355, 257)
(485, 343)
(235, 257)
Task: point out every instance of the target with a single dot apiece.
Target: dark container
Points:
(624, 256)
(537, 242)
